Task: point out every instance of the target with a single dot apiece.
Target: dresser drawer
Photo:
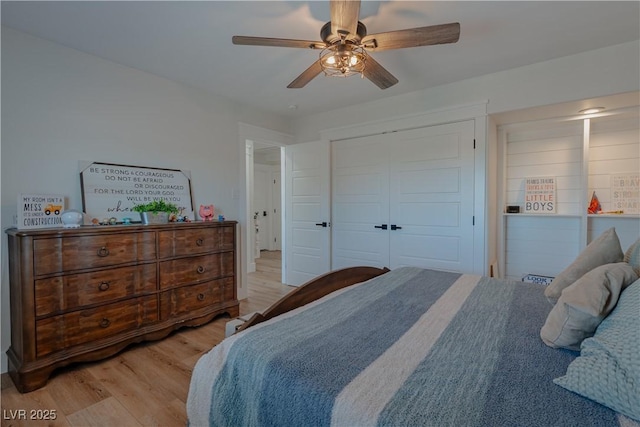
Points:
(80, 252)
(63, 293)
(79, 327)
(195, 241)
(196, 269)
(186, 299)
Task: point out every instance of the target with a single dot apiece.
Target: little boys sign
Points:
(540, 195)
(40, 210)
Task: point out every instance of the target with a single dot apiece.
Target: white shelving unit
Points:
(582, 153)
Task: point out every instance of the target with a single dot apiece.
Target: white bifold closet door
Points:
(405, 198)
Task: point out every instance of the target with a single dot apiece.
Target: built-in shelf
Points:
(582, 155)
(622, 216)
(543, 215)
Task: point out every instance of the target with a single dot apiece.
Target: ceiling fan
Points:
(345, 45)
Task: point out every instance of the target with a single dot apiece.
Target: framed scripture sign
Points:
(111, 191)
(40, 210)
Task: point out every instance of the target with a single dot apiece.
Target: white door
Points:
(276, 212)
(307, 222)
(261, 195)
(431, 197)
(360, 202)
(405, 198)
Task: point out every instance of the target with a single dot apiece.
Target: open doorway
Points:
(266, 209)
(248, 137)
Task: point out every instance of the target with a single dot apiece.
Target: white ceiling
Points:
(190, 42)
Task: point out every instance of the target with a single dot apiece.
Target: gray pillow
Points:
(584, 304)
(632, 256)
(604, 250)
(608, 368)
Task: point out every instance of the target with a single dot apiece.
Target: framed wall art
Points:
(540, 195)
(625, 193)
(112, 190)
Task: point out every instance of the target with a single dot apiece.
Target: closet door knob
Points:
(382, 227)
(395, 227)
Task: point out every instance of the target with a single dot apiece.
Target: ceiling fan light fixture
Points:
(344, 40)
(343, 60)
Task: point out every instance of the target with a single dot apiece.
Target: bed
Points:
(406, 347)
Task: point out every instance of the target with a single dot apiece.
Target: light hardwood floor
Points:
(145, 385)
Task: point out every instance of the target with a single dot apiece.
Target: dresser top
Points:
(120, 228)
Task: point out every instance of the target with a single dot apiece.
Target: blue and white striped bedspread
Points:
(412, 347)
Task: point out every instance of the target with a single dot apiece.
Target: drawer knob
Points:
(200, 297)
(103, 252)
(104, 323)
(200, 242)
(103, 286)
(200, 269)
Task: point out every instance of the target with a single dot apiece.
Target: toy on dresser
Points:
(206, 212)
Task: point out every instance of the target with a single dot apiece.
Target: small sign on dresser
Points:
(40, 210)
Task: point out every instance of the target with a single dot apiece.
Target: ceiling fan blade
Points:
(378, 74)
(266, 41)
(344, 16)
(306, 76)
(413, 37)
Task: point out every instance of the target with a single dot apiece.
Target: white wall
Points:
(60, 106)
(590, 74)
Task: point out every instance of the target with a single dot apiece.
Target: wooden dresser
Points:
(86, 293)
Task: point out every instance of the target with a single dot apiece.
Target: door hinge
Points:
(473, 220)
(474, 144)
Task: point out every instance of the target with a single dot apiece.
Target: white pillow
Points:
(584, 304)
(604, 250)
